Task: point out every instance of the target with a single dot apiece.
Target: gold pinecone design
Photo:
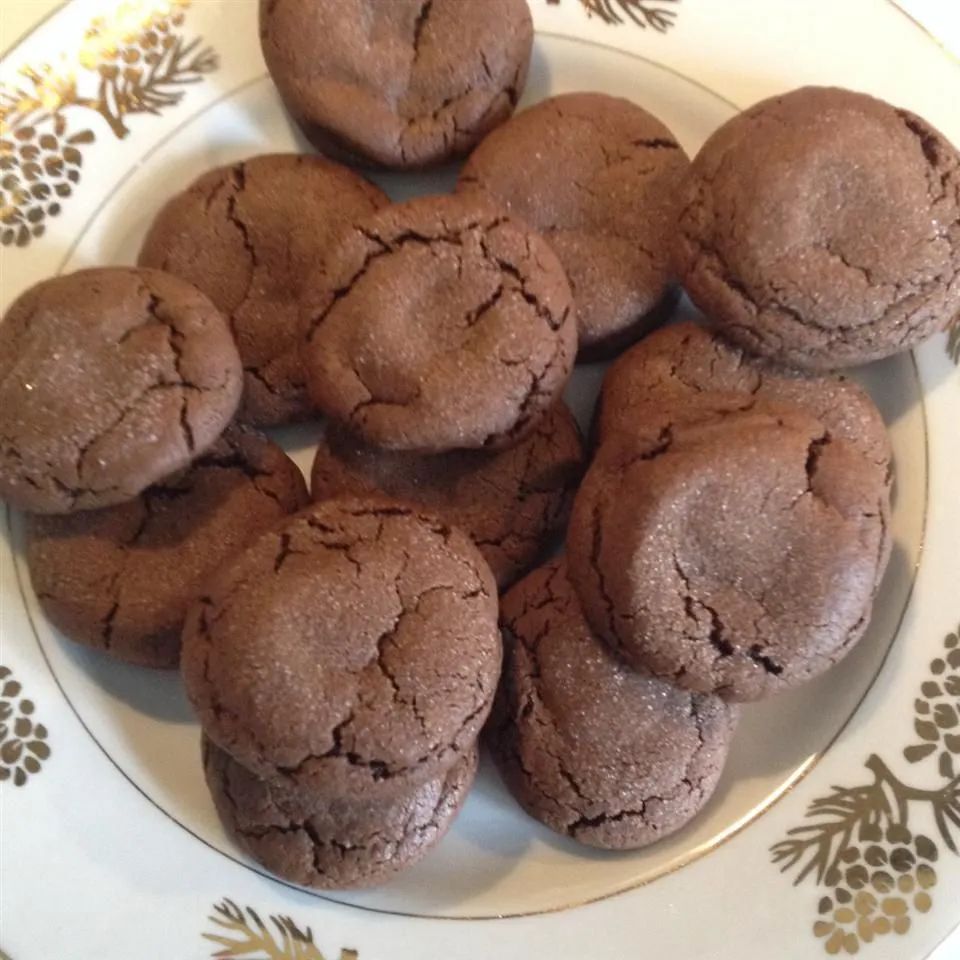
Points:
(142, 61)
(38, 171)
(937, 711)
(135, 61)
(23, 742)
(876, 886)
(857, 841)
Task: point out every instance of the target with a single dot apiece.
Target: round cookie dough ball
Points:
(510, 502)
(822, 228)
(685, 374)
(406, 83)
(739, 557)
(353, 650)
(438, 324)
(247, 235)
(608, 756)
(120, 579)
(110, 380)
(338, 843)
(599, 178)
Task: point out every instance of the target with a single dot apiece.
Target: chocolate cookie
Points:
(822, 228)
(509, 502)
(738, 557)
(110, 379)
(334, 843)
(593, 749)
(687, 374)
(599, 179)
(247, 235)
(353, 649)
(120, 579)
(438, 324)
(407, 83)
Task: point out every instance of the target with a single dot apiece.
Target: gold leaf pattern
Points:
(858, 842)
(23, 741)
(241, 933)
(659, 15)
(133, 62)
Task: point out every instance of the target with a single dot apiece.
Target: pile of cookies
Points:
(725, 543)
(117, 391)
(342, 667)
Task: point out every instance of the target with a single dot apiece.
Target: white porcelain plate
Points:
(837, 824)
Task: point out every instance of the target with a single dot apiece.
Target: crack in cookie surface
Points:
(121, 377)
(417, 84)
(314, 840)
(755, 545)
(440, 324)
(558, 733)
(120, 578)
(510, 502)
(394, 675)
(851, 280)
(601, 185)
(247, 235)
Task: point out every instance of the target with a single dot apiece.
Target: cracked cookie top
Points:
(334, 843)
(247, 235)
(822, 228)
(595, 750)
(405, 84)
(354, 648)
(685, 374)
(509, 501)
(110, 380)
(120, 579)
(739, 557)
(437, 324)
(599, 178)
